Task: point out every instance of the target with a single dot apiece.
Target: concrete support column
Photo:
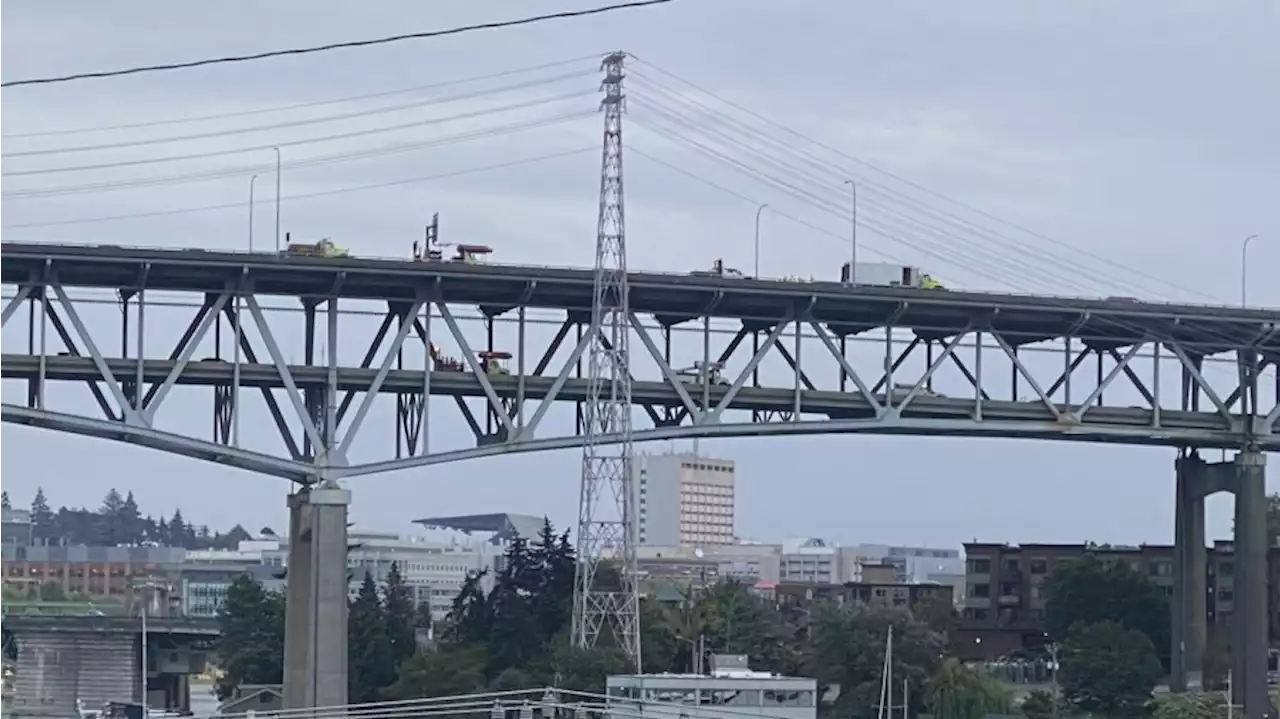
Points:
(1190, 589)
(315, 671)
(1249, 618)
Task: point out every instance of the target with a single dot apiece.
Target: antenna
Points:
(605, 514)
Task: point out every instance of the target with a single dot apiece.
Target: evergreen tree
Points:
(371, 667)
(554, 563)
(41, 517)
(4, 500)
(180, 533)
(162, 532)
(129, 520)
(400, 616)
(469, 618)
(250, 648)
(514, 636)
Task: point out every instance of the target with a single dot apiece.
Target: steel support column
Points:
(315, 655)
(1249, 618)
(1189, 575)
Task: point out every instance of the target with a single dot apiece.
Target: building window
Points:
(980, 591)
(1039, 566)
(979, 565)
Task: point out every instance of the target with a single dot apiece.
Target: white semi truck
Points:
(887, 274)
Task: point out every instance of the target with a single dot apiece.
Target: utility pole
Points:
(606, 516)
(277, 199)
(853, 228)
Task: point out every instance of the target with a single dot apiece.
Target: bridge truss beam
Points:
(792, 374)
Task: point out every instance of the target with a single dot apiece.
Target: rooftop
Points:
(503, 526)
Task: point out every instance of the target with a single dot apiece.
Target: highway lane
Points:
(1128, 423)
(672, 296)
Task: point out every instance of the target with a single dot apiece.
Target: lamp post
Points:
(277, 151)
(759, 211)
(853, 228)
(1244, 269)
(252, 181)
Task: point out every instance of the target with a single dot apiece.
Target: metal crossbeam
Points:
(980, 379)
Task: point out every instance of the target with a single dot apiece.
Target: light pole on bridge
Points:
(1244, 269)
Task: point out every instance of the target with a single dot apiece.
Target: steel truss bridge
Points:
(865, 360)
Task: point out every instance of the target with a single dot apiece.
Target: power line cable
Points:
(924, 217)
(912, 184)
(302, 122)
(226, 59)
(246, 170)
(304, 196)
(299, 105)
(979, 250)
(308, 141)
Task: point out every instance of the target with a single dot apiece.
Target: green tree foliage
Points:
(848, 644)
(1039, 704)
(119, 521)
(1089, 590)
(371, 666)
(1199, 705)
(4, 500)
(1108, 668)
(250, 649)
(960, 692)
(401, 616)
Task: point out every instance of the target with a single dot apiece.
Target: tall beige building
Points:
(683, 499)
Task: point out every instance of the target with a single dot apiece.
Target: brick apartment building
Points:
(94, 572)
(1004, 598)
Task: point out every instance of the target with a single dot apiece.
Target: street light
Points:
(277, 151)
(853, 228)
(252, 181)
(759, 210)
(1244, 269)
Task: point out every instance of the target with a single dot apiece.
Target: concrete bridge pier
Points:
(315, 652)
(1246, 479)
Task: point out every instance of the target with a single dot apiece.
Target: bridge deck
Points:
(671, 297)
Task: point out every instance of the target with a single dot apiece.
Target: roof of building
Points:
(504, 526)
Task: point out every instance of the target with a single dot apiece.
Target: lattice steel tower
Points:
(605, 516)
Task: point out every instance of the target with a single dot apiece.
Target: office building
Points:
(91, 572)
(683, 499)
(17, 528)
(1003, 608)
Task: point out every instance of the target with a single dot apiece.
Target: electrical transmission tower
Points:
(605, 514)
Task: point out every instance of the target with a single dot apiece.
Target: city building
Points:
(683, 499)
(16, 527)
(1003, 608)
(691, 566)
(94, 572)
(874, 592)
(915, 565)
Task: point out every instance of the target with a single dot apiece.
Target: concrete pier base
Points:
(315, 653)
(1197, 479)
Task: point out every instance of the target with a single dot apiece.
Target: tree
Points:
(937, 611)
(400, 616)
(41, 517)
(371, 667)
(1039, 704)
(1108, 668)
(440, 674)
(129, 521)
(960, 692)
(250, 648)
(4, 500)
(1090, 591)
(1198, 705)
(180, 533)
(848, 649)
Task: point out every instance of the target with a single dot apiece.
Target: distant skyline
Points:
(1141, 132)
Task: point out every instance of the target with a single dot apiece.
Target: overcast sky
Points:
(1112, 149)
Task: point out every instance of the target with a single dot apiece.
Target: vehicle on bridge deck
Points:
(900, 392)
(323, 248)
(887, 274)
(443, 363)
(712, 371)
(494, 362)
(718, 269)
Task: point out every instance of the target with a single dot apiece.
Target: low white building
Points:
(731, 690)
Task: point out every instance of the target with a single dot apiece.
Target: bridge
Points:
(767, 358)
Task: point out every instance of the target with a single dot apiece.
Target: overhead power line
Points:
(227, 59)
(300, 105)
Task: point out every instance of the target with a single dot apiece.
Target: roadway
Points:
(669, 297)
(949, 415)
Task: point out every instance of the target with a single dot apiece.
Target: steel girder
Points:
(792, 375)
